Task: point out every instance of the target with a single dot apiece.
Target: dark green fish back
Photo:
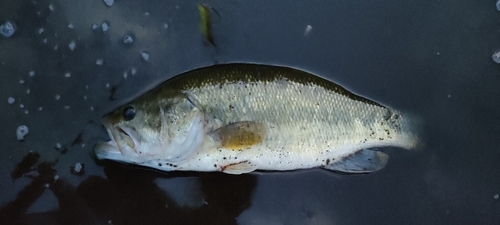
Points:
(249, 73)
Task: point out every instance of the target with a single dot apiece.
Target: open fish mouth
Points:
(111, 149)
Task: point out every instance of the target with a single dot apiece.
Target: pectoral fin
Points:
(240, 135)
(364, 161)
(239, 168)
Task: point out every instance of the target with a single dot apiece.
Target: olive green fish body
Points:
(256, 117)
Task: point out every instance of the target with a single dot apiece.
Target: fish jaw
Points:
(126, 145)
(112, 150)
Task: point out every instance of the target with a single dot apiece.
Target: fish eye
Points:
(129, 113)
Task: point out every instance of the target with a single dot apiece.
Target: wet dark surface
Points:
(432, 58)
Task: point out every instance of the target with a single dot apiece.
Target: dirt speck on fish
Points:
(237, 118)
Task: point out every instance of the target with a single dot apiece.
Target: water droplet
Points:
(99, 62)
(44, 40)
(165, 25)
(496, 57)
(11, 100)
(145, 55)
(7, 29)
(51, 7)
(109, 2)
(70, 26)
(133, 71)
(128, 40)
(308, 30)
(21, 81)
(58, 145)
(496, 196)
(94, 26)
(67, 74)
(125, 74)
(56, 46)
(72, 45)
(32, 73)
(85, 97)
(21, 132)
(28, 91)
(66, 107)
(107, 85)
(498, 5)
(26, 112)
(91, 108)
(40, 30)
(105, 27)
(21, 105)
(40, 108)
(58, 97)
(77, 169)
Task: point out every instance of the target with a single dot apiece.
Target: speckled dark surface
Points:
(432, 58)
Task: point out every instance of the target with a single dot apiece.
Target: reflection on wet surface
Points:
(128, 196)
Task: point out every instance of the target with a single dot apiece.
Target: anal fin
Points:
(364, 161)
(239, 168)
(240, 135)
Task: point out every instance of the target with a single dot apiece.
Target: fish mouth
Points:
(123, 141)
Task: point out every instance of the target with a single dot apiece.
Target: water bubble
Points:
(72, 45)
(107, 86)
(496, 57)
(11, 100)
(495, 196)
(21, 105)
(28, 91)
(66, 107)
(105, 27)
(125, 74)
(58, 97)
(40, 108)
(7, 29)
(56, 47)
(67, 74)
(85, 97)
(165, 25)
(40, 31)
(91, 108)
(94, 26)
(44, 40)
(26, 112)
(145, 55)
(51, 7)
(32, 73)
(99, 62)
(70, 26)
(128, 40)
(109, 2)
(21, 132)
(21, 81)
(58, 146)
(498, 5)
(133, 71)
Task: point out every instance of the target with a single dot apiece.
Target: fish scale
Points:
(296, 119)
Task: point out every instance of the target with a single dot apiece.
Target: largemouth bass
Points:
(237, 118)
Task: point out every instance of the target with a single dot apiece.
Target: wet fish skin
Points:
(237, 118)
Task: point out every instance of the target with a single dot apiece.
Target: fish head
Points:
(148, 130)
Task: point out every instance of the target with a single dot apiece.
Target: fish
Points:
(238, 118)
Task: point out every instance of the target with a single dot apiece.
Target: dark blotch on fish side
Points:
(25, 165)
